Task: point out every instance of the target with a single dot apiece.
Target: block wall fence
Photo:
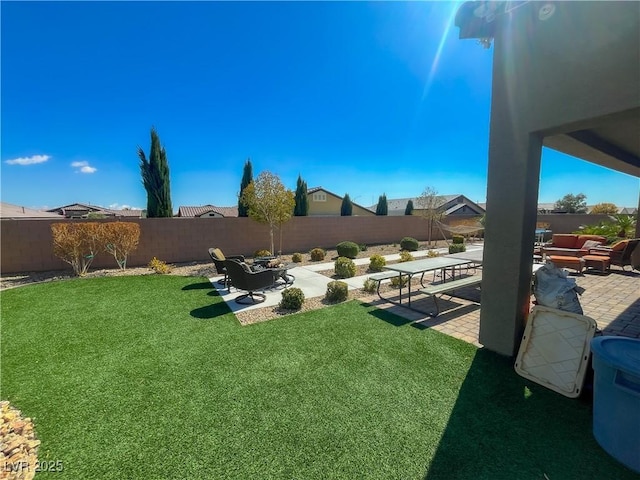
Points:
(26, 245)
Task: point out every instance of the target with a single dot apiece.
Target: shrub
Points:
(261, 253)
(337, 291)
(409, 244)
(376, 262)
(296, 257)
(363, 247)
(348, 249)
(457, 248)
(432, 253)
(120, 239)
(400, 280)
(406, 256)
(77, 244)
(292, 299)
(369, 285)
(457, 239)
(344, 267)
(159, 266)
(317, 254)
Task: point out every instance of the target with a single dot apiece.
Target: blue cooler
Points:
(616, 398)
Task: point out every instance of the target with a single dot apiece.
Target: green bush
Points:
(292, 299)
(317, 254)
(376, 262)
(369, 285)
(262, 253)
(348, 249)
(296, 257)
(457, 248)
(363, 247)
(399, 280)
(457, 239)
(344, 267)
(406, 256)
(337, 291)
(409, 244)
(432, 253)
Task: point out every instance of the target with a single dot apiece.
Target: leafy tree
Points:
(409, 208)
(572, 203)
(302, 201)
(269, 202)
(428, 203)
(382, 208)
(604, 208)
(120, 239)
(77, 244)
(247, 178)
(155, 178)
(346, 210)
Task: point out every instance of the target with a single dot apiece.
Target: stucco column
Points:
(512, 198)
(638, 219)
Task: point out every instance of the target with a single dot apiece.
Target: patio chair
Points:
(218, 260)
(619, 253)
(243, 278)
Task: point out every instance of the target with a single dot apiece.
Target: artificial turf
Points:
(152, 377)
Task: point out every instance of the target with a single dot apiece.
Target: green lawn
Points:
(152, 377)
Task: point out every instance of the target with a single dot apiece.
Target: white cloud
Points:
(32, 160)
(83, 167)
(117, 206)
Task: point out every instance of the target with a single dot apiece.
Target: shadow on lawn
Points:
(199, 286)
(210, 311)
(504, 426)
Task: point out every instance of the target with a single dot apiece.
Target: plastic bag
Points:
(552, 288)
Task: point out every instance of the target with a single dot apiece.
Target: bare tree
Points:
(428, 203)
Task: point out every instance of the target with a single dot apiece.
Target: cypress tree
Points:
(382, 208)
(347, 207)
(247, 178)
(155, 178)
(409, 208)
(301, 208)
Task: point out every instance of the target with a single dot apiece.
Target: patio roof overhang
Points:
(612, 141)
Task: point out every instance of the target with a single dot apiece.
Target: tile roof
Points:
(187, 211)
(82, 207)
(7, 210)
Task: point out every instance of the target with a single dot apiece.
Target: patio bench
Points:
(446, 287)
(379, 277)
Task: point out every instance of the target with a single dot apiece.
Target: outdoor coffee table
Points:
(281, 272)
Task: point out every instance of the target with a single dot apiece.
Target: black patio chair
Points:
(218, 260)
(243, 278)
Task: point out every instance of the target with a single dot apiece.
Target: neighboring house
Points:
(8, 210)
(207, 211)
(322, 202)
(81, 210)
(447, 204)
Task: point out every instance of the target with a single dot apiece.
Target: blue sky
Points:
(360, 98)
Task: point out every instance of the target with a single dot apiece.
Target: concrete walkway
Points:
(612, 300)
(314, 284)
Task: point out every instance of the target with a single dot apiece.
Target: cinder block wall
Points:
(27, 244)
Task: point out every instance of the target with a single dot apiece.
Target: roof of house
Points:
(8, 210)
(187, 211)
(109, 212)
(397, 206)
